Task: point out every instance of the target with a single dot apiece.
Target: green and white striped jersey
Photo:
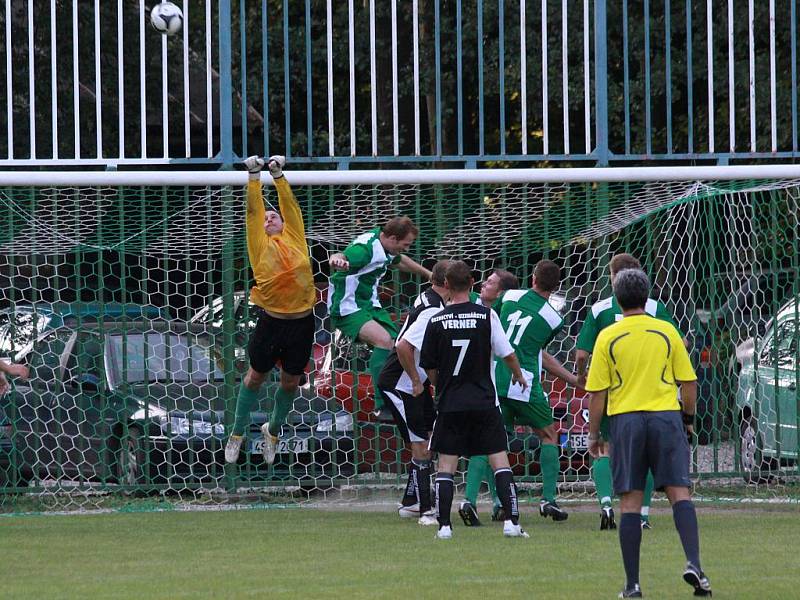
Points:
(530, 323)
(357, 288)
(607, 312)
(476, 298)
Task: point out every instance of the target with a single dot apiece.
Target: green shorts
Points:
(536, 413)
(351, 324)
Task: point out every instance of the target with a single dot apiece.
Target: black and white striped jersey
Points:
(392, 376)
(459, 343)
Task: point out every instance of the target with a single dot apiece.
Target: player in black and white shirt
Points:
(457, 352)
(412, 410)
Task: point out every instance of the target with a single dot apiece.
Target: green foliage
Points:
(266, 96)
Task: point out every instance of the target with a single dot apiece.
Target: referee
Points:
(637, 363)
(457, 351)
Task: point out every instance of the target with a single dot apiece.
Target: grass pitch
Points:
(314, 553)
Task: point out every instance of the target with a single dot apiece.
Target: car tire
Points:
(133, 468)
(754, 466)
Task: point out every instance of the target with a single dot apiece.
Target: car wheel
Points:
(755, 467)
(133, 467)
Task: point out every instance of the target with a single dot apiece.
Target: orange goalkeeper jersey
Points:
(280, 263)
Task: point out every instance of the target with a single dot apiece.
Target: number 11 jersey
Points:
(530, 322)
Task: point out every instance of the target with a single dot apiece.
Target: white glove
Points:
(275, 165)
(254, 164)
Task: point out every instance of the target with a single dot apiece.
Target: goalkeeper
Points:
(284, 289)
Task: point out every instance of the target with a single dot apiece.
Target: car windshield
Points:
(163, 358)
(20, 328)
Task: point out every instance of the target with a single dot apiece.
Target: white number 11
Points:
(515, 321)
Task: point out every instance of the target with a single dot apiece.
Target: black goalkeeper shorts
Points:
(286, 340)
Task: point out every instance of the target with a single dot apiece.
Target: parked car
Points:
(13, 472)
(143, 403)
(767, 397)
(723, 333)
(245, 313)
(22, 323)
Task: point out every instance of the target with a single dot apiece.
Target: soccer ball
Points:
(166, 18)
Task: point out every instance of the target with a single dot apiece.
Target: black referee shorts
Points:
(286, 340)
(469, 433)
(413, 415)
(648, 440)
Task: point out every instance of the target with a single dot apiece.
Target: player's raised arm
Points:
(409, 265)
(255, 207)
(287, 202)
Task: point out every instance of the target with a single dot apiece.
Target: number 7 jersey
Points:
(459, 344)
(530, 322)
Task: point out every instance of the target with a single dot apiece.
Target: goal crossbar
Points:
(403, 177)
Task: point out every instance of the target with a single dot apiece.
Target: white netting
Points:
(148, 286)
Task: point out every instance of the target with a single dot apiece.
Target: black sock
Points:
(630, 541)
(423, 485)
(507, 492)
(685, 518)
(444, 498)
(410, 495)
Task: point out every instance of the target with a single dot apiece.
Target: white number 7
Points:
(462, 345)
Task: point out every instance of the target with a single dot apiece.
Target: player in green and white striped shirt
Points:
(353, 302)
(531, 323)
(602, 314)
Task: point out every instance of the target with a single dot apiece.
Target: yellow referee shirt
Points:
(281, 265)
(639, 360)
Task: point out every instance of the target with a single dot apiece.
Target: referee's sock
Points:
(410, 495)
(686, 523)
(444, 498)
(630, 541)
(423, 491)
(507, 491)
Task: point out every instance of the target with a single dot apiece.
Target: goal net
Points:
(129, 303)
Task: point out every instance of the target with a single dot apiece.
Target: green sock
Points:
(548, 459)
(489, 476)
(648, 496)
(379, 356)
(283, 404)
(244, 405)
(601, 473)
(476, 470)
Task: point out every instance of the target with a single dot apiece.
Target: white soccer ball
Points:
(166, 18)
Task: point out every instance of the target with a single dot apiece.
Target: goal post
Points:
(127, 294)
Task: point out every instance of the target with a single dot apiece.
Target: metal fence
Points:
(410, 81)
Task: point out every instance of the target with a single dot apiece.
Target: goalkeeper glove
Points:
(275, 165)
(254, 164)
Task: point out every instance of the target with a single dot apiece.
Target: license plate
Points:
(576, 441)
(290, 446)
(579, 441)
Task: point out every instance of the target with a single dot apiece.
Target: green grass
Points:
(313, 553)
